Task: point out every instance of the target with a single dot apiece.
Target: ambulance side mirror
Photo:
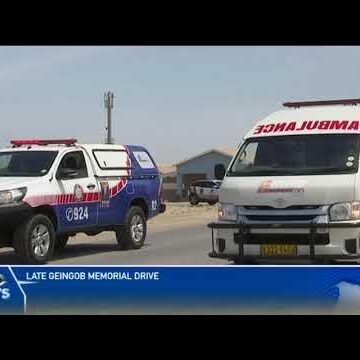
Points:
(220, 171)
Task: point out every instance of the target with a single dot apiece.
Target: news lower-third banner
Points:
(162, 289)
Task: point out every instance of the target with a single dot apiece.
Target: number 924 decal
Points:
(77, 214)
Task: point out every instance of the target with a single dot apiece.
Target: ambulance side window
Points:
(75, 161)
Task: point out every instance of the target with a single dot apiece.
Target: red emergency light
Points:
(43, 142)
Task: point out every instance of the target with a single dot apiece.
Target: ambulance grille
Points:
(298, 239)
(294, 213)
(293, 207)
(272, 218)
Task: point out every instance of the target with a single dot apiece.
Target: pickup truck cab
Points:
(204, 191)
(292, 191)
(51, 190)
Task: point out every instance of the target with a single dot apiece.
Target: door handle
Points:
(91, 186)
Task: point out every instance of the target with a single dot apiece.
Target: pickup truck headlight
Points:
(12, 195)
(227, 212)
(345, 211)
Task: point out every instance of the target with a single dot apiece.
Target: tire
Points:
(26, 249)
(212, 202)
(193, 199)
(61, 241)
(132, 235)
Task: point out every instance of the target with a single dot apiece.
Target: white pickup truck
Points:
(51, 190)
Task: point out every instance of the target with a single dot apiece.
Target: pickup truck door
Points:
(77, 192)
(214, 192)
(199, 190)
(206, 186)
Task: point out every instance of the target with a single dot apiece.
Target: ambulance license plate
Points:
(278, 250)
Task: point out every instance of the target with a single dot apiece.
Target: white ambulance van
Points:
(292, 191)
(50, 190)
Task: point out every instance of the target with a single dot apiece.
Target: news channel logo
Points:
(4, 291)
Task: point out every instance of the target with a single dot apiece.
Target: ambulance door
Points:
(77, 192)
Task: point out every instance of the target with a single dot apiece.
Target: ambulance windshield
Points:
(297, 155)
(26, 163)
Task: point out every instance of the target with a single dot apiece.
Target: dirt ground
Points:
(183, 214)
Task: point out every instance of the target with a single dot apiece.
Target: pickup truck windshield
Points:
(297, 155)
(26, 163)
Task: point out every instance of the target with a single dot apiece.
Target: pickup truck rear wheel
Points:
(132, 234)
(61, 241)
(34, 240)
(193, 199)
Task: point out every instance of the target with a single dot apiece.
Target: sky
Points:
(176, 101)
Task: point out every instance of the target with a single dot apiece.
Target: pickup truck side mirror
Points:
(65, 174)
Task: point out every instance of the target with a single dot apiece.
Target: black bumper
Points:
(11, 215)
(243, 237)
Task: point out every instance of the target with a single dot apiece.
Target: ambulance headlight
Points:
(345, 211)
(227, 212)
(12, 195)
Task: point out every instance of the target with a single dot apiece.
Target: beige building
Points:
(200, 167)
(168, 173)
(178, 177)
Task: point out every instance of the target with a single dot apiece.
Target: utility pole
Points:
(109, 104)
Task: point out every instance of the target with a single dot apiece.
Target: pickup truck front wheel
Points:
(34, 240)
(132, 234)
(193, 199)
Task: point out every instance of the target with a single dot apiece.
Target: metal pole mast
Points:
(109, 104)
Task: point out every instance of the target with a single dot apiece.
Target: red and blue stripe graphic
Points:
(62, 199)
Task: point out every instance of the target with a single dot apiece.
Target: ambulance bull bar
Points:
(244, 230)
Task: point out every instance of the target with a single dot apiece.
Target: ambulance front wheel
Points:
(132, 235)
(34, 240)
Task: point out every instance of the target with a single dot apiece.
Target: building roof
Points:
(230, 152)
(167, 169)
